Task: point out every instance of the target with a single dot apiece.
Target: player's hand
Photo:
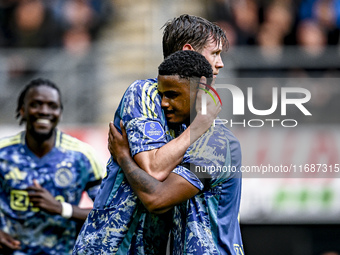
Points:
(212, 107)
(7, 242)
(118, 144)
(43, 199)
(207, 106)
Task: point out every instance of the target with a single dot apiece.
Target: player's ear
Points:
(22, 115)
(22, 112)
(188, 47)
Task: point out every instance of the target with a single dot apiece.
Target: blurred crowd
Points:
(53, 39)
(72, 24)
(312, 26)
(278, 22)
(68, 25)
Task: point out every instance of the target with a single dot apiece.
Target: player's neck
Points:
(40, 147)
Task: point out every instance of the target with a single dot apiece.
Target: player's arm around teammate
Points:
(178, 101)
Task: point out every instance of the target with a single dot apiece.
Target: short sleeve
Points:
(141, 113)
(189, 176)
(145, 134)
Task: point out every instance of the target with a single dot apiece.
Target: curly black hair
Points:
(32, 84)
(187, 64)
(193, 30)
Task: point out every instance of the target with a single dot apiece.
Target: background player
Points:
(43, 173)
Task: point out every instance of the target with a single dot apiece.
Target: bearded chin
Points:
(41, 137)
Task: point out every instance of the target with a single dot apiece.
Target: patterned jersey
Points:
(66, 171)
(118, 220)
(118, 223)
(208, 222)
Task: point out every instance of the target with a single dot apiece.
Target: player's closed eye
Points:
(171, 94)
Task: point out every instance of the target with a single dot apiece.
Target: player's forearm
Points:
(75, 213)
(200, 125)
(144, 185)
(157, 197)
(80, 213)
(170, 155)
(160, 162)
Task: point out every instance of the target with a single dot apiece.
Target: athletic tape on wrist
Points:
(67, 210)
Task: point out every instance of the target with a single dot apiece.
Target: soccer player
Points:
(206, 187)
(43, 173)
(118, 223)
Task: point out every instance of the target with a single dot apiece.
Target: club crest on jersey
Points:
(63, 177)
(153, 130)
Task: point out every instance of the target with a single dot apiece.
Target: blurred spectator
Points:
(89, 14)
(77, 40)
(281, 16)
(220, 10)
(230, 31)
(311, 37)
(330, 253)
(326, 13)
(312, 41)
(69, 24)
(7, 8)
(239, 17)
(29, 24)
(245, 16)
(37, 23)
(270, 39)
(79, 21)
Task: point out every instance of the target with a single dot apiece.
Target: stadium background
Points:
(94, 49)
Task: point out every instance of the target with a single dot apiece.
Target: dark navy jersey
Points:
(66, 171)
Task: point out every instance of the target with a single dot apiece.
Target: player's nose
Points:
(165, 102)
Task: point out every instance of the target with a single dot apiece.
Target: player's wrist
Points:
(122, 156)
(66, 210)
(201, 124)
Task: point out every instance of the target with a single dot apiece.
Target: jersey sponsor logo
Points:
(153, 130)
(63, 177)
(20, 201)
(238, 249)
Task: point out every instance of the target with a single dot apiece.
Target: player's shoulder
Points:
(9, 141)
(222, 132)
(70, 143)
(139, 87)
(66, 143)
(221, 138)
(140, 100)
